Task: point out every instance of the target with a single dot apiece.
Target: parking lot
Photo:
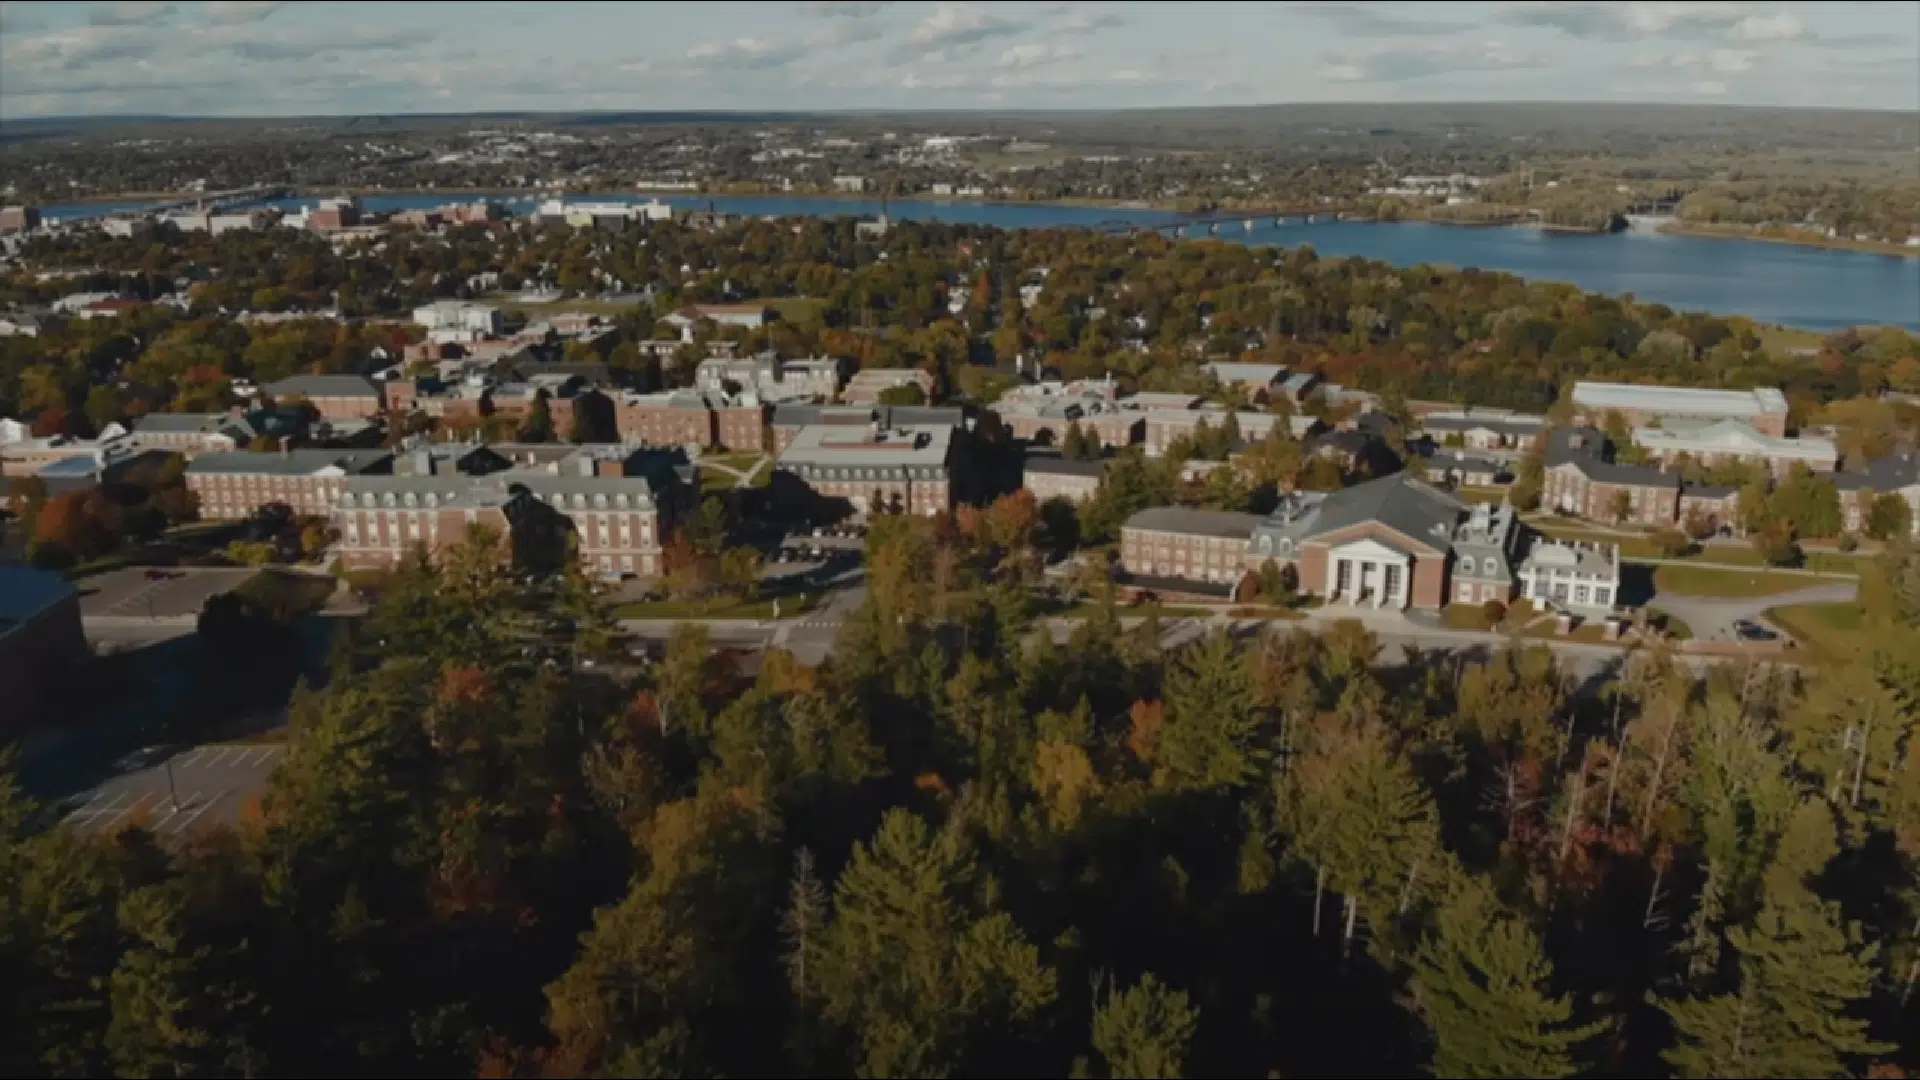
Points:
(174, 794)
(142, 593)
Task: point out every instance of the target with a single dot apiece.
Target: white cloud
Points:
(128, 14)
(1359, 20)
(1723, 61)
(1776, 27)
(251, 45)
(852, 9)
(1085, 21)
(1709, 87)
(80, 47)
(955, 25)
(1630, 20)
(1034, 54)
(1420, 60)
(746, 52)
(241, 11)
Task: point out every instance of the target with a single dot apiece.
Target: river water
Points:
(1814, 288)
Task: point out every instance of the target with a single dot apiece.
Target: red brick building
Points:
(334, 397)
(234, 485)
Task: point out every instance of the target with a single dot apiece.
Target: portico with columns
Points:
(1367, 572)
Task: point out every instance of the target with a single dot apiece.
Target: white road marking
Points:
(185, 759)
(176, 828)
(218, 755)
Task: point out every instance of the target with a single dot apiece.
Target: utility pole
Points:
(173, 795)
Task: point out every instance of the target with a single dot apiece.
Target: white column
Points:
(1380, 587)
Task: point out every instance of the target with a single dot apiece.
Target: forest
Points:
(1144, 308)
(960, 847)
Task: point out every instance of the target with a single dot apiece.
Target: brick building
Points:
(619, 510)
(691, 418)
(1052, 477)
(234, 485)
(904, 470)
(192, 434)
(334, 397)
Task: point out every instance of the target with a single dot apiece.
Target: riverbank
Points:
(1791, 238)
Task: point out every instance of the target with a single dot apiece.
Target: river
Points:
(1812, 288)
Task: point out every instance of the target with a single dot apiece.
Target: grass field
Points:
(1833, 631)
(1705, 581)
(795, 309)
(1637, 548)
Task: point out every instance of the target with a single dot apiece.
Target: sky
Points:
(253, 58)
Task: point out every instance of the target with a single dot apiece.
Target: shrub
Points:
(1672, 543)
(1849, 542)
(1494, 611)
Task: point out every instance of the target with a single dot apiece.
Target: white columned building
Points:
(1367, 570)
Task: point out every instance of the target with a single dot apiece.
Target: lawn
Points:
(1639, 547)
(795, 309)
(1495, 496)
(721, 608)
(1834, 631)
(1707, 581)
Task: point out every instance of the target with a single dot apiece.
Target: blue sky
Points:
(266, 58)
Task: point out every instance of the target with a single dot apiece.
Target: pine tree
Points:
(918, 965)
(1483, 984)
(171, 1013)
(1208, 740)
(538, 426)
(1803, 974)
(1145, 1032)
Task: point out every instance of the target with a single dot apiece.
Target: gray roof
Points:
(1399, 502)
(1607, 472)
(288, 462)
(1506, 425)
(1059, 466)
(838, 445)
(188, 423)
(1900, 469)
(1566, 444)
(313, 386)
(1180, 519)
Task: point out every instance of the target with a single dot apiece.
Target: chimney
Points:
(423, 463)
(583, 465)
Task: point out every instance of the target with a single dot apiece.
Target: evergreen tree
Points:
(919, 965)
(1803, 975)
(1208, 740)
(1145, 1031)
(1483, 984)
(538, 426)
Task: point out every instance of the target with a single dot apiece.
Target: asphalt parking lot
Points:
(210, 783)
(140, 593)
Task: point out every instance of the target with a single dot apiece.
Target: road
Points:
(1712, 619)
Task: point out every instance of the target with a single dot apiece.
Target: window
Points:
(1580, 594)
(1603, 596)
(1390, 587)
(1466, 593)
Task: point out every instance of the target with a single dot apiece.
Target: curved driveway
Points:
(1712, 618)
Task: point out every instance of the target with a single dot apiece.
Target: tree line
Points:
(963, 847)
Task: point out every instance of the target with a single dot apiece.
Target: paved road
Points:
(1712, 618)
(210, 783)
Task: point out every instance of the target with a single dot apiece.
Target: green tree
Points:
(1484, 986)
(1076, 445)
(910, 394)
(919, 966)
(104, 406)
(538, 426)
(172, 1012)
(1888, 516)
(1145, 1031)
(1803, 975)
(1208, 740)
